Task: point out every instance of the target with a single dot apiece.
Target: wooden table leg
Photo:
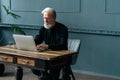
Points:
(18, 73)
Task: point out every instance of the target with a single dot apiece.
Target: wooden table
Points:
(37, 60)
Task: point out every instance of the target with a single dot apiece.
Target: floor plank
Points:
(28, 75)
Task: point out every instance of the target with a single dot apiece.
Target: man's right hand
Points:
(42, 46)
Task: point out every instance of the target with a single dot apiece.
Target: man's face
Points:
(49, 20)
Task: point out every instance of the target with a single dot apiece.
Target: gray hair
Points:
(49, 9)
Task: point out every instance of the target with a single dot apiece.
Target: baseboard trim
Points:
(96, 74)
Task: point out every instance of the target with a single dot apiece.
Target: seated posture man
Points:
(54, 35)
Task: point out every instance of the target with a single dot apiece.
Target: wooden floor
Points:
(28, 75)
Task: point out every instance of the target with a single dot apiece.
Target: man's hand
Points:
(42, 46)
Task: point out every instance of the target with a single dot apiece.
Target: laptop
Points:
(25, 42)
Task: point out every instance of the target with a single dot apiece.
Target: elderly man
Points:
(54, 35)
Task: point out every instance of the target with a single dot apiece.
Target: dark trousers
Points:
(52, 74)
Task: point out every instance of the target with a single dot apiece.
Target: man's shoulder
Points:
(42, 28)
(60, 25)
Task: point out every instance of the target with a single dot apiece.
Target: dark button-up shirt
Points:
(56, 38)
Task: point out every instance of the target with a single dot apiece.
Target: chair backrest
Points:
(74, 45)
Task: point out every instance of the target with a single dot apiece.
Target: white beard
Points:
(47, 26)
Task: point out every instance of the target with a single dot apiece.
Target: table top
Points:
(45, 55)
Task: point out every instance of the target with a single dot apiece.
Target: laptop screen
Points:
(25, 42)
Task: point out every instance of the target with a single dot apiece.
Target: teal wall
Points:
(80, 14)
(95, 22)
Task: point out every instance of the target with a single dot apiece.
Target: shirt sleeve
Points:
(39, 37)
